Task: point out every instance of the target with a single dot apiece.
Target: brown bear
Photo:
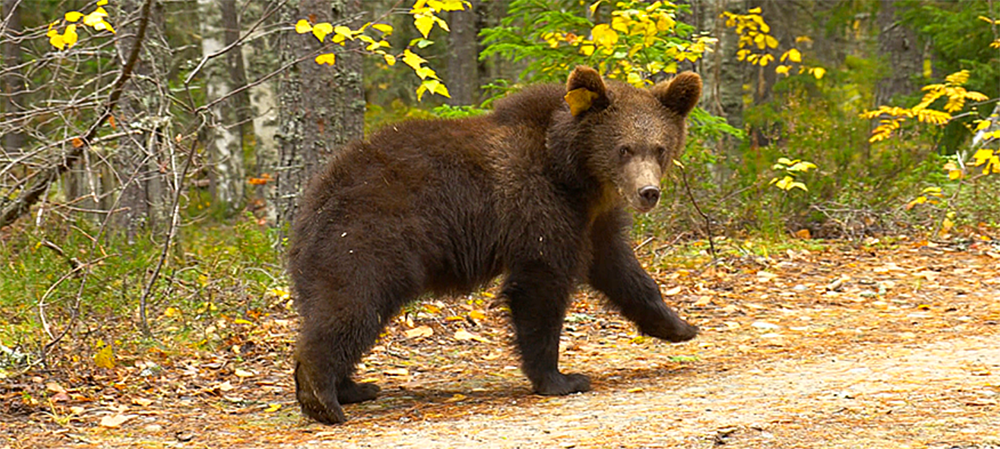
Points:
(535, 190)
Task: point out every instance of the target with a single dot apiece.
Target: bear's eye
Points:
(660, 151)
(624, 151)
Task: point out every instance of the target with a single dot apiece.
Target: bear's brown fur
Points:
(530, 191)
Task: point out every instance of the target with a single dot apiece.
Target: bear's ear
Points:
(585, 90)
(679, 94)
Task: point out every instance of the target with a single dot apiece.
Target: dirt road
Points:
(895, 347)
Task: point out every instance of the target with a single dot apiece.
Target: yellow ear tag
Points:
(579, 100)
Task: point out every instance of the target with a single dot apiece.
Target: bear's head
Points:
(630, 136)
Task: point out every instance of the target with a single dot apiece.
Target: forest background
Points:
(146, 194)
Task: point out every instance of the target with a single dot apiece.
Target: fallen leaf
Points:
(672, 291)
(243, 373)
(463, 334)
(764, 276)
(400, 372)
(764, 325)
(457, 397)
(271, 408)
(634, 390)
(115, 421)
(417, 332)
(143, 402)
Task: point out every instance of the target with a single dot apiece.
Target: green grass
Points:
(212, 271)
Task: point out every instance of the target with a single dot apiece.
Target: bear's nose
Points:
(650, 195)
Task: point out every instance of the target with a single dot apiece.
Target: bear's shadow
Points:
(449, 398)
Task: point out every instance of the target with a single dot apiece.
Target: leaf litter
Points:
(840, 347)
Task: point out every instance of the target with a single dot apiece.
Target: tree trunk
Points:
(903, 55)
(12, 96)
(141, 165)
(224, 136)
(320, 108)
(463, 56)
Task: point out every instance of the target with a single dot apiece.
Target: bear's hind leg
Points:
(538, 305)
(351, 392)
(328, 351)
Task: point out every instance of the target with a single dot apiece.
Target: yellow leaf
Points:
(344, 31)
(390, 59)
(271, 408)
(818, 72)
(326, 58)
(635, 79)
(102, 2)
(171, 312)
(946, 226)
(477, 315)
(587, 50)
(665, 23)
(424, 23)
(782, 69)
(103, 25)
(771, 41)
(242, 321)
(579, 100)
(302, 26)
(56, 39)
(105, 358)
(604, 36)
(320, 30)
(593, 7)
(754, 10)
(412, 59)
(982, 155)
(384, 28)
(426, 72)
(982, 124)
(793, 55)
(73, 16)
(95, 17)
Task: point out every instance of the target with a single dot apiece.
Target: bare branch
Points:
(30, 195)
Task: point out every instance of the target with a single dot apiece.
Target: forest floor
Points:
(881, 346)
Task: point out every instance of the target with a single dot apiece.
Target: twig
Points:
(644, 243)
(174, 218)
(112, 101)
(234, 44)
(33, 193)
(708, 221)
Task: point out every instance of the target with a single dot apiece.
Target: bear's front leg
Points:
(615, 272)
(538, 299)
